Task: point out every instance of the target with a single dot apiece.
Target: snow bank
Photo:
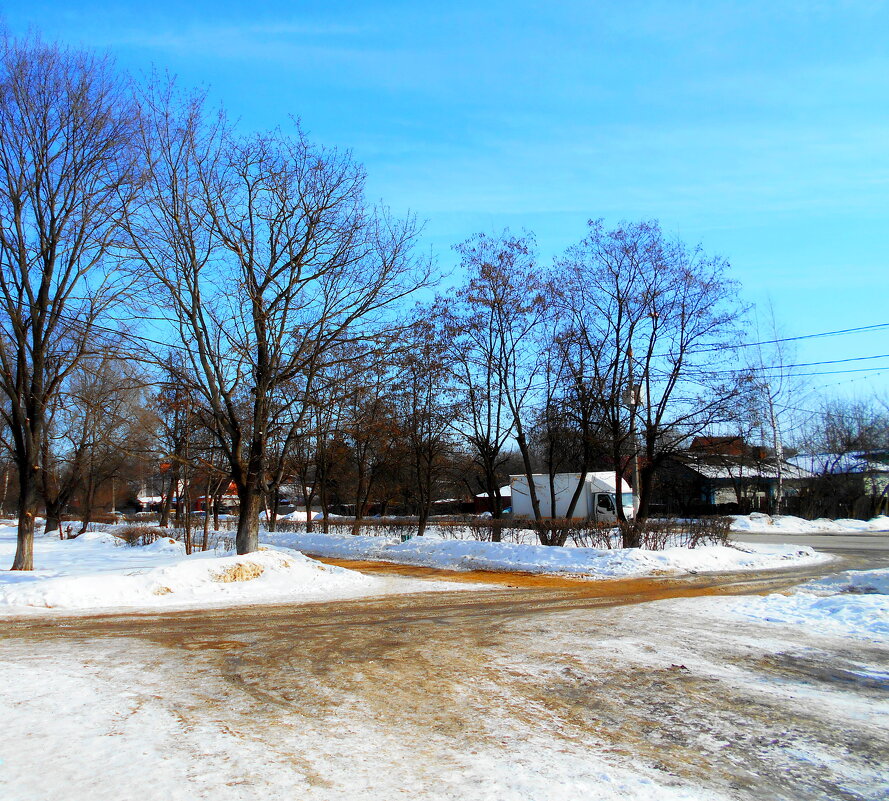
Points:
(96, 571)
(788, 524)
(448, 554)
(99, 571)
(850, 604)
(262, 576)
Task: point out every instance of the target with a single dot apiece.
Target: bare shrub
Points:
(391, 527)
(655, 535)
(294, 526)
(484, 529)
(589, 534)
(707, 531)
(487, 529)
(401, 528)
(141, 535)
(556, 530)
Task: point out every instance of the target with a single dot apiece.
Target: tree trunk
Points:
(89, 500)
(217, 501)
(633, 531)
(359, 501)
(272, 514)
(168, 501)
(526, 461)
(53, 517)
(5, 488)
(186, 515)
(309, 522)
(423, 463)
(496, 502)
(205, 543)
(325, 504)
(27, 511)
(578, 490)
(250, 499)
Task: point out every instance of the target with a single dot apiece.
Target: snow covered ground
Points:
(693, 699)
(854, 603)
(717, 698)
(780, 697)
(788, 524)
(456, 554)
(98, 571)
(100, 736)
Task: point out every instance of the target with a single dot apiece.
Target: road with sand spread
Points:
(411, 695)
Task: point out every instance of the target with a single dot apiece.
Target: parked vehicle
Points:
(598, 497)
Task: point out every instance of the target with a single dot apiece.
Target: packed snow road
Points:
(857, 550)
(552, 689)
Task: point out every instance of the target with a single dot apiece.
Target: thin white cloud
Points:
(266, 38)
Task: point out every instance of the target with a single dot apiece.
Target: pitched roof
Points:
(841, 463)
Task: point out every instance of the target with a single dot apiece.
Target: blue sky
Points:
(759, 129)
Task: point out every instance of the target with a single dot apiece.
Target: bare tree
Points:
(501, 313)
(427, 411)
(98, 423)
(268, 256)
(176, 411)
(569, 428)
(66, 174)
(110, 414)
(848, 451)
(322, 448)
(773, 393)
(374, 437)
(657, 321)
(482, 417)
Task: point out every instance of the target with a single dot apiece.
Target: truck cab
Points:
(604, 509)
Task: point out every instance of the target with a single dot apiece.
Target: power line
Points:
(875, 370)
(843, 331)
(704, 348)
(776, 367)
(840, 332)
(118, 332)
(848, 381)
(768, 370)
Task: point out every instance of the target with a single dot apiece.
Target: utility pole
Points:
(631, 398)
(779, 450)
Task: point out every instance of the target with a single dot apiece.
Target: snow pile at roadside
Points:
(448, 554)
(853, 604)
(788, 524)
(97, 571)
(857, 582)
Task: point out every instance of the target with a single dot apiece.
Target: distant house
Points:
(482, 503)
(724, 475)
(149, 503)
(845, 485)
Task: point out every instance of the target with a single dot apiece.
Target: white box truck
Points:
(598, 497)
